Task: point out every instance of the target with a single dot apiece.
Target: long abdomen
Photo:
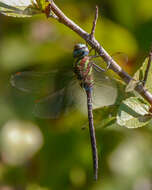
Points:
(92, 133)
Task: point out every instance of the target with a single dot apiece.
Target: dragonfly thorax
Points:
(83, 71)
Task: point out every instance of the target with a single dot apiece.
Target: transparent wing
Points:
(51, 106)
(30, 81)
(73, 98)
(104, 90)
(63, 100)
(19, 8)
(78, 95)
(60, 100)
(69, 99)
(40, 82)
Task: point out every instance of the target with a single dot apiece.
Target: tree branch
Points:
(98, 48)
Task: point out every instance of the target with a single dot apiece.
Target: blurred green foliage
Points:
(64, 161)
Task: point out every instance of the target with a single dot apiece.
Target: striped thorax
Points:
(83, 66)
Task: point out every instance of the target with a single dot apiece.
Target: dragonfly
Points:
(86, 87)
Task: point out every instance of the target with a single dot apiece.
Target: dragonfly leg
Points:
(98, 69)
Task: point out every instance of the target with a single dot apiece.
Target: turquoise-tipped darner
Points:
(99, 90)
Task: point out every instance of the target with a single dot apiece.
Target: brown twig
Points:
(98, 48)
(94, 24)
(148, 67)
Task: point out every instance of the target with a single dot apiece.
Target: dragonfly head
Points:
(80, 50)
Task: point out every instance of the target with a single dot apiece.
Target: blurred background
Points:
(37, 154)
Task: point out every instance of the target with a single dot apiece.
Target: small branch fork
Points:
(98, 48)
(94, 24)
(148, 67)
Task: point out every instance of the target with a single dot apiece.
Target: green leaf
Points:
(20, 8)
(133, 113)
(139, 75)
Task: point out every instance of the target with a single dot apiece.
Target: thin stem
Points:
(148, 67)
(94, 24)
(98, 48)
